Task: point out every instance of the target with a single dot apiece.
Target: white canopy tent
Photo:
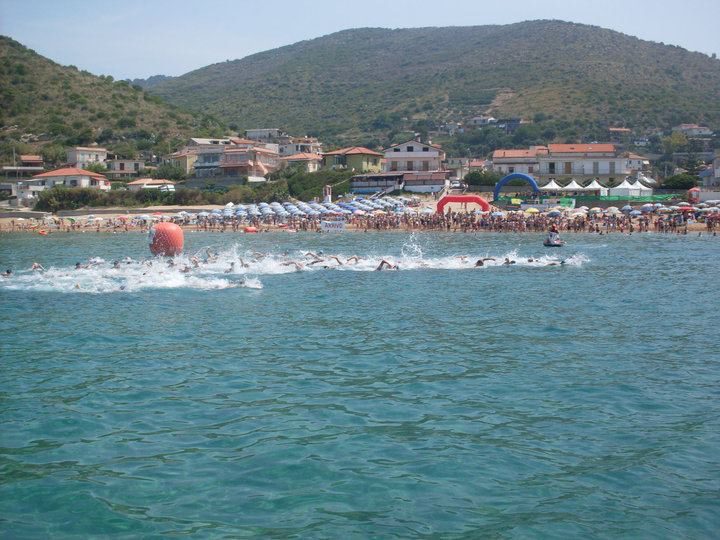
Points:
(573, 186)
(551, 186)
(626, 189)
(596, 186)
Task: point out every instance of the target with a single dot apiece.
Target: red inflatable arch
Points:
(462, 199)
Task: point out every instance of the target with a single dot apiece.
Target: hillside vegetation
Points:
(44, 104)
(364, 83)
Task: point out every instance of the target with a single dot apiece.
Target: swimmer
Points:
(354, 258)
(195, 262)
(79, 266)
(336, 259)
(531, 259)
(171, 263)
(185, 269)
(37, 266)
(243, 263)
(479, 262)
(507, 261)
(231, 269)
(316, 261)
(298, 266)
(384, 264)
(116, 264)
(7, 273)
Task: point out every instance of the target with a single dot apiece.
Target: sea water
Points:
(534, 399)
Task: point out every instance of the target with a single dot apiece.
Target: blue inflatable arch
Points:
(515, 176)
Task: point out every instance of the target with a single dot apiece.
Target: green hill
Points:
(44, 104)
(366, 82)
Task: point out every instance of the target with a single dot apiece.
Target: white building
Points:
(82, 156)
(693, 130)
(263, 134)
(518, 161)
(71, 177)
(587, 161)
(151, 183)
(119, 169)
(414, 156)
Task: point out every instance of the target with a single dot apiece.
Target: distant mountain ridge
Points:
(354, 83)
(151, 81)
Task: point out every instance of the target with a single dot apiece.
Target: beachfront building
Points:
(524, 161)
(28, 166)
(253, 162)
(207, 161)
(414, 155)
(70, 177)
(586, 161)
(376, 182)
(305, 161)
(426, 182)
(264, 134)
(122, 169)
(203, 142)
(151, 183)
(82, 156)
(298, 145)
(353, 158)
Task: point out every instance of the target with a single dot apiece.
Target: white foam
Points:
(234, 268)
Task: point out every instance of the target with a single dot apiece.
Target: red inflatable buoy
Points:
(250, 229)
(166, 239)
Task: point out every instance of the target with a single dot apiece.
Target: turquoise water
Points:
(523, 401)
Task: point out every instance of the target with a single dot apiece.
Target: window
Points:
(410, 149)
(374, 161)
(393, 165)
(511, 170)
(122, 166)
(409, 166)
(551, 167)
(568, 167)
(596, 167)
(531, 169)
(612, 167)
(425, 165)
(396, 149)
(136, 166)
(426, 149)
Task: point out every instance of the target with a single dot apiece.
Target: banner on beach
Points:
(332, 226)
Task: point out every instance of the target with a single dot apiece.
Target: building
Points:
(251, 162)
(71, 177)
(426, 182)
(184, 159)
(298, 145)
(207, 161)
(583, 161)
(151, 183)
(121, 169)
(29, 165)
(417, 182)
(353, 158)
(693, 130)
(264, 134)
(82, 156)
(479, 165)
(414, 155)
(198, 141)
(482, 121)
(310, 162)
(518, 161)
(618, 134)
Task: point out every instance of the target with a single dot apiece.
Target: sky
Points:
(137, 38)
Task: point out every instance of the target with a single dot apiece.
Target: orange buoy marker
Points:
(166, 239)
(250, 229)
(42, 232)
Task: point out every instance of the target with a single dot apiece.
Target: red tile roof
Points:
(69, 171)
(352, 151)
(581, 148)
(303, 156)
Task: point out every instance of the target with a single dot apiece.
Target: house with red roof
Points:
(586, 161)
(354, 158)
(70, 177)
(29, 165)
(524, 161)
(82, 156)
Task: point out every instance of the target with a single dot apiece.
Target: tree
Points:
(680, 181)
(676, 142)
(482, 178)
(96, 168)
(168, 171)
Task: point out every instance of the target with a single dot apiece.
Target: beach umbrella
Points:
(595, 210)
(532, 210)
(628, 208)
(554, 213)
(658, 205)
(203, 214)
(664, 210)
(498, 214)
(612, 210)
(636, 213)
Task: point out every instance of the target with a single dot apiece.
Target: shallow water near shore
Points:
(536, 399)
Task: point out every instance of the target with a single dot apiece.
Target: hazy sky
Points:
(139, 38)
